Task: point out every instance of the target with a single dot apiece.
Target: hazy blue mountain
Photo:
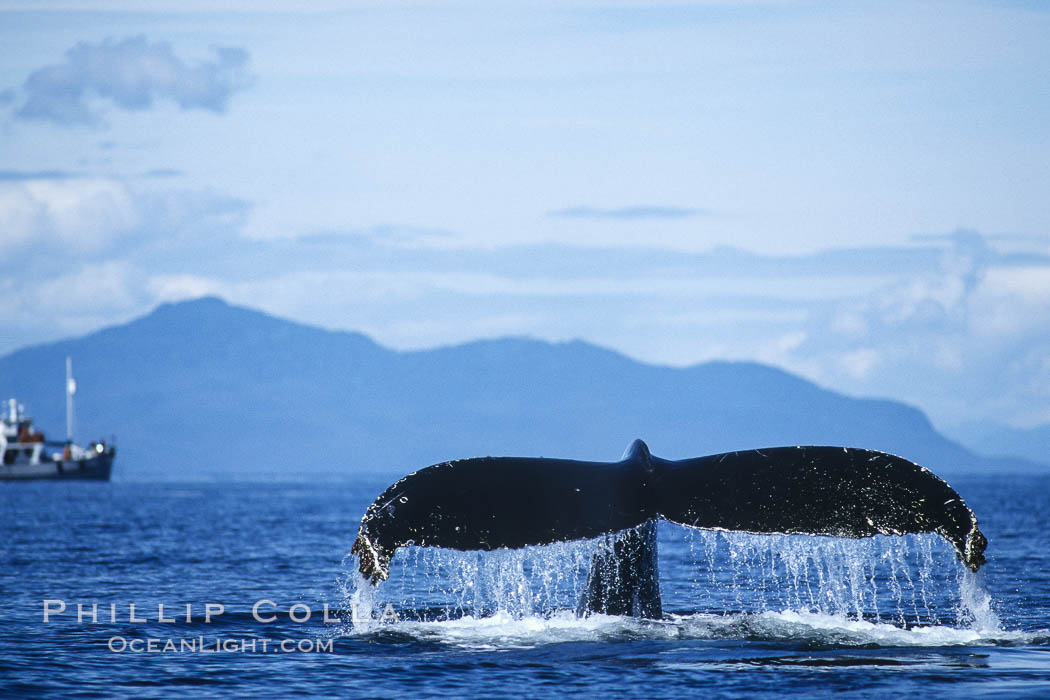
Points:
(202, 388)
(994, 439)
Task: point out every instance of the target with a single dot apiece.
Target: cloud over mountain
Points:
(954, 323)
(131, 74)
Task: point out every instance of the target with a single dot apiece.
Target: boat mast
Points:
(71, 388)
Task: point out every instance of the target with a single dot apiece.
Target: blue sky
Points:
(853, 191)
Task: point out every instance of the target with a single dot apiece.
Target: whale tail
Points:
(489, 503)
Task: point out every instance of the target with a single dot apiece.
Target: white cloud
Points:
(74, 301)
(859, 363)
(79, 215)
(68, 217)
(1030, 283)
(89, 288)
(963, 338)
(179, 287)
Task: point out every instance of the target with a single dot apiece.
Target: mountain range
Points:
(202, 389)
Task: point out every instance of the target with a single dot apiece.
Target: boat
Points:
(26, 455)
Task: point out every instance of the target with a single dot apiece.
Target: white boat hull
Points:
(95, 468)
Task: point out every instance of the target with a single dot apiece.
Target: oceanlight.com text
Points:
(229, 645)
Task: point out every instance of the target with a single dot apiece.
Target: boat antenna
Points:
(71, 388)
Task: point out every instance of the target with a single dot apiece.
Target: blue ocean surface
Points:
(745, 615)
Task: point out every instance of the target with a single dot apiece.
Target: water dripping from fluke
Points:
(809, 590)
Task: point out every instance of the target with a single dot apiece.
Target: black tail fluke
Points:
(836, 491)
(492, 502)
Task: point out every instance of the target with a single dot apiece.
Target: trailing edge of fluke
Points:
(486, 503)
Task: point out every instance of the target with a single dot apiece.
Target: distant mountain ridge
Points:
(996, 439)
(202, 389)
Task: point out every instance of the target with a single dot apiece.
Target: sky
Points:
(856, 192)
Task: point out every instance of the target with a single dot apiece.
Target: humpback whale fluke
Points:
(486, 503)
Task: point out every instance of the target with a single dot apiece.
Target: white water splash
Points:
(502, 631)
(886, 591)
(976, 603)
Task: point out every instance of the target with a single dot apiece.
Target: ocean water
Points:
(745, 615)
